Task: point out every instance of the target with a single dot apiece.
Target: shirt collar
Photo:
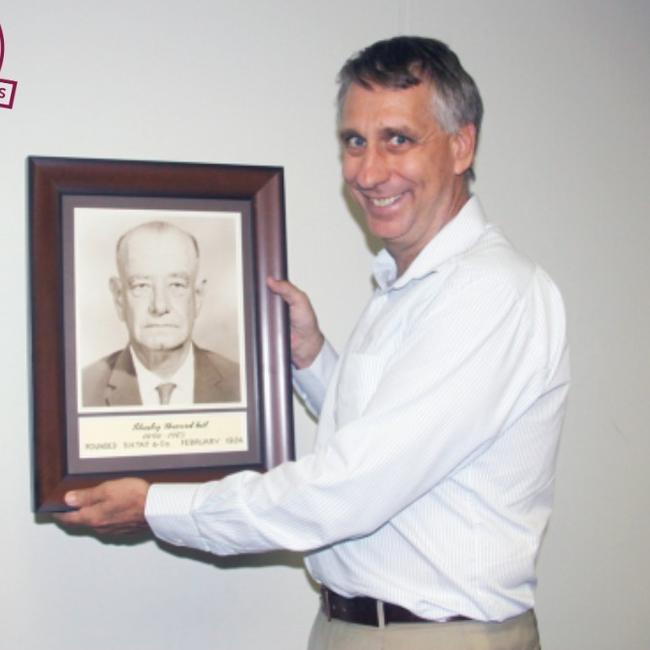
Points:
(148, 380)
(454, 238)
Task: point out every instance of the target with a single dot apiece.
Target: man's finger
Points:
(286, 290)
(83, 498)
(86, 516)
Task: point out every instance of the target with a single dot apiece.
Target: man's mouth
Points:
(384, 202)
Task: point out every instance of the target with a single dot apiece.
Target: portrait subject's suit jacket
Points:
(112, 381)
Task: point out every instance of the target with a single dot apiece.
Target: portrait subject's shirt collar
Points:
(183, 393)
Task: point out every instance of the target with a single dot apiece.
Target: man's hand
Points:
(306, 337)
(111, 508)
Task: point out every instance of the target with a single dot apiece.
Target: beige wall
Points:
(563, 167)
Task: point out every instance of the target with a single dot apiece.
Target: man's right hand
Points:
(306, 337)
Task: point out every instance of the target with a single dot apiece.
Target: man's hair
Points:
(406, 61)
(157, 227)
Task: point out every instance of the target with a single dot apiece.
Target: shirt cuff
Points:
(168, 513)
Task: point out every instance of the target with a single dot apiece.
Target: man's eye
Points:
(354, 142)
(399, 139)
(139, 288)
(178, 286)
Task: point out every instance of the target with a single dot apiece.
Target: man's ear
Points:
(199, 292)
(118, 296)
(463, 144)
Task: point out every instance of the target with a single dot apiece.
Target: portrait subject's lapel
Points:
(206, 378)
(122, 386)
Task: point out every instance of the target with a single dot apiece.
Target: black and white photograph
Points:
(159, 300)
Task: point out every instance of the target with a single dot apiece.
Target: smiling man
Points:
(158, 295)
(422, 508)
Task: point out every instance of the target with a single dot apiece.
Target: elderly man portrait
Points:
(158, 295)
(422, 507)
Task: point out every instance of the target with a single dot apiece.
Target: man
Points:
(424, 502)
(158, 296)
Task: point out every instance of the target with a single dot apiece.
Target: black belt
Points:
(365, 611)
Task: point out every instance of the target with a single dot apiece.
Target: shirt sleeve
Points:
(311, 383)
(470, 366)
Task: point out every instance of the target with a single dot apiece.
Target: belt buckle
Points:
(381, 613)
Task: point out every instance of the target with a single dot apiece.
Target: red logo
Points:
(7, 86)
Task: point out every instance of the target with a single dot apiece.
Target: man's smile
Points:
(383, 202)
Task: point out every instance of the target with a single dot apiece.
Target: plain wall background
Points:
(563, 167)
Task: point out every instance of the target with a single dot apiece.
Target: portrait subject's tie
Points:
(165, 392)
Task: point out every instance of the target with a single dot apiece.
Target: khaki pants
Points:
(518, 633)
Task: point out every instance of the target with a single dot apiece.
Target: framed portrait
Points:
(157, 349)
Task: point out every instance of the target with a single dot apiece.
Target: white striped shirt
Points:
(431, 481)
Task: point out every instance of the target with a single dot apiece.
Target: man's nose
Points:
(373, 168)
(159, 303)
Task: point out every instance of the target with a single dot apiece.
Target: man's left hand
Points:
(111, 508)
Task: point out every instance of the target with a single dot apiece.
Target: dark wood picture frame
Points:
(57, 187)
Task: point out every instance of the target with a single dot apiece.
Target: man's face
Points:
(156, 295)
(402, 168)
